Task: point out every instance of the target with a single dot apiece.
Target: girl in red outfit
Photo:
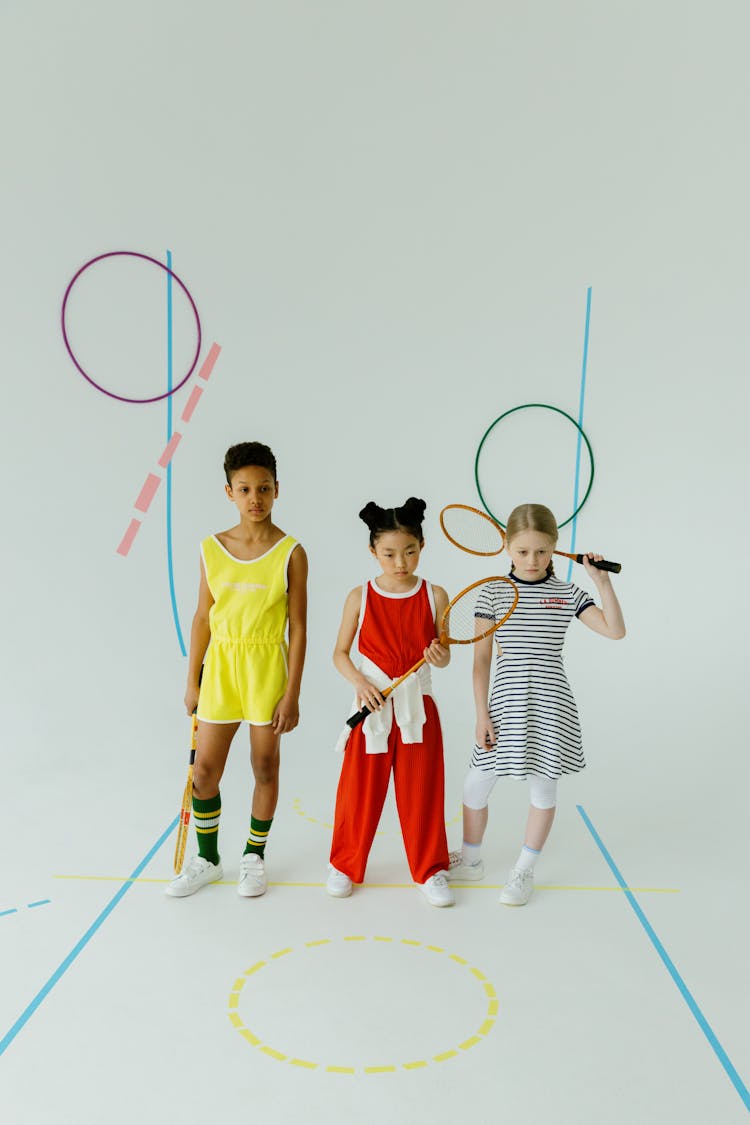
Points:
(396, 615)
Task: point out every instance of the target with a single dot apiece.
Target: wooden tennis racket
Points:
(475, 613)
(477, 533)
(187, 804)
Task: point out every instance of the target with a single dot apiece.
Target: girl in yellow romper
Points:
(253, 583)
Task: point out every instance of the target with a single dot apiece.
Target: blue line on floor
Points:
(170, 368)
(13, 910)
(576, 490)
(687, 996)
(42, 902)
(6, 1041)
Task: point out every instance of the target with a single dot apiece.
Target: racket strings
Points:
(480, 610)
(471, 530)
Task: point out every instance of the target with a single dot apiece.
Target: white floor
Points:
(379, 1005)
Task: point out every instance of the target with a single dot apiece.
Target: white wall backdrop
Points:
(389, 215)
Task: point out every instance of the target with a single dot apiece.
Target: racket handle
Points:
(603, 564)
(354, 720)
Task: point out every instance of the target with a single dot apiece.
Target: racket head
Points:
(471, 530)
(478, 610)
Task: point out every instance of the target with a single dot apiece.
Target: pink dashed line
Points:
(168, 453)
(152, 482)
(147, 493)
(191, 404)
(128, 537)
(209, 361)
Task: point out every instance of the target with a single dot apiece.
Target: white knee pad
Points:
(543, 792)
(478, 784)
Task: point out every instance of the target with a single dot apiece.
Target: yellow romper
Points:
(245, 671)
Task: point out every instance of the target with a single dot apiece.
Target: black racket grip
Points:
(615, 568)
(354, 720)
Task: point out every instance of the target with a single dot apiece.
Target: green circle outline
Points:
(529, 406)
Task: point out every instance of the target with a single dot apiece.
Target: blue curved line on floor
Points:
(687, 996)
(26, 1015)
(170, 358)
(579, 443)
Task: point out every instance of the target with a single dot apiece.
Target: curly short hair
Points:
(248, 453)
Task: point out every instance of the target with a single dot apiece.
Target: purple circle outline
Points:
(186, 291)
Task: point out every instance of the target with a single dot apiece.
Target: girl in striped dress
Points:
(527, 722)
(394, 617)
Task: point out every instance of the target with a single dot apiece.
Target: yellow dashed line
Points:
(415, 1064)
(274, 1054)
(445, 1055)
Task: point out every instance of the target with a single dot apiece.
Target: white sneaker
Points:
(436, 890)
(194, 875)
(461, 872)
(338, 884)
(519, 887)
(252, 881)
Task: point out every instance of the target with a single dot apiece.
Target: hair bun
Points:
(372, 514)
(411, 511)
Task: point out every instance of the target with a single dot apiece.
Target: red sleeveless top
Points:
(395, 629)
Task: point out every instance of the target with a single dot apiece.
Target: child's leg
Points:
(212, 748)
(520, 885)
(478, 784)
(213, 742)
(419, 783)
(264, 758)
(362, 788)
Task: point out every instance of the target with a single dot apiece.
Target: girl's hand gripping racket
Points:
(478, 534)
(187, 804)
(475, 613)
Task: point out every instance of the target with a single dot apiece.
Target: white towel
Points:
(405, 703)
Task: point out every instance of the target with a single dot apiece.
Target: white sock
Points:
(527, 859)
(471, 854)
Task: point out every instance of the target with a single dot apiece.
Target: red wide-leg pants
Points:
(419, 785)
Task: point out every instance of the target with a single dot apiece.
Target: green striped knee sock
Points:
(206, 816)
(256, 841)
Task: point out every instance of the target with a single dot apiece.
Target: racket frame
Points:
(602, 564)
(359, 717)
(187, 802)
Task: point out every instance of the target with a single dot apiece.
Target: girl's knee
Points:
(266, 768)
(543, 792)
(478, 784)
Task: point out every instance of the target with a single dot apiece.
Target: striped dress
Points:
(531, 705)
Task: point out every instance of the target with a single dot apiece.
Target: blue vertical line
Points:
(687, 996)
(579, 443)
(26, 1015)
(170, 355)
